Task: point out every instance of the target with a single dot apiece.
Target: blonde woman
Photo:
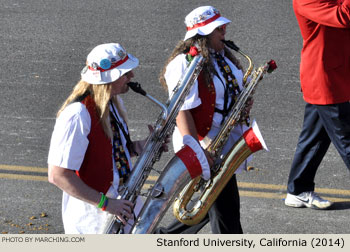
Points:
(90, 150)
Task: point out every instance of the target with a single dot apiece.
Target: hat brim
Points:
(112, 75)
(207, 29)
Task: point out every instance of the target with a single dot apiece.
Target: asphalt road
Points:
(43, 48)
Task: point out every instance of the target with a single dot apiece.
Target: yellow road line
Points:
(152, 179)
(269, 195)
(278, 187)
(284, 188)
(280, 196)
(23, 177)
(22, 168)
(261, 186)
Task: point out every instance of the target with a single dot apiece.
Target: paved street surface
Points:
(43, 48)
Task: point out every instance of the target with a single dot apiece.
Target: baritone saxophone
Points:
(224, 165)
(152, 150)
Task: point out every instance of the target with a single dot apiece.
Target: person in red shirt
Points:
(325, 83)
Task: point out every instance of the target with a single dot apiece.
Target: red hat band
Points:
(208, 21)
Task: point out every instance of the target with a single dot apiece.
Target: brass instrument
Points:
(153, 148)
(172, 179)
(224, 165)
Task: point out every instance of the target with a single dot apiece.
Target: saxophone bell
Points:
(226, 165)
(251, 142)
(187, 164)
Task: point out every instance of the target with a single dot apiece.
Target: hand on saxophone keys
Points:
(122, 209)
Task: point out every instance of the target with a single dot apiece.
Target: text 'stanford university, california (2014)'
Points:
(218, 242)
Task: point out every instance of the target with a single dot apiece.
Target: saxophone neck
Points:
(161, 105)
(136, 87)
(233, 46)
(249, 69)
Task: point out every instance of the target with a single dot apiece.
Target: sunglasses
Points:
(222, 27)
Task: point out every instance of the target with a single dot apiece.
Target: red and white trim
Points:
(106, 63)
(192, 155)
(203, 21)
(208, 21)
(253, 138)
(113, 65)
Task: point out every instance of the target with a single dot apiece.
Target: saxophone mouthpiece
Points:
(136, 87)
(231, 45)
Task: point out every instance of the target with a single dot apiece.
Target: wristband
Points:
(105, 204)
(102, 201)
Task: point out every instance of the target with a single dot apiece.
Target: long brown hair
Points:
(202, 43)
(101, 94)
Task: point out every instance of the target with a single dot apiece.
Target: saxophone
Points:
(175, 179)
(224, 165)
(152, 150)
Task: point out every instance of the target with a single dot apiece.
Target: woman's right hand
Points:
(123, 209)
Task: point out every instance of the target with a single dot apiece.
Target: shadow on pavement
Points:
(342, 205)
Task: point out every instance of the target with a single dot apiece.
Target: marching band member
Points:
(324, 79)
(90, 150)
(207, 105)
(89, 156)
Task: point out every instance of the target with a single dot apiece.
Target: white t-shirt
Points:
(68, 145)
(173, 73)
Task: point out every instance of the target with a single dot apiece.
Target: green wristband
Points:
(102, 201)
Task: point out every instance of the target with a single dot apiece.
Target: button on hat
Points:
(203, 20)
(106, 63)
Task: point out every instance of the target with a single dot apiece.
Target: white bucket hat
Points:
(203, 20)
(106, 63)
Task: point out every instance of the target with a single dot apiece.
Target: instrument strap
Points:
(129, 143)
(231, 87)
(120, 159)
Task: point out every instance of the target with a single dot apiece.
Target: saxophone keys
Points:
(157, 190)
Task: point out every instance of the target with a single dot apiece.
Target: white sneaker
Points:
(307, 199)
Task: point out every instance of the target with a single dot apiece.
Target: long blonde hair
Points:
(202, 43)
(101, 94)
